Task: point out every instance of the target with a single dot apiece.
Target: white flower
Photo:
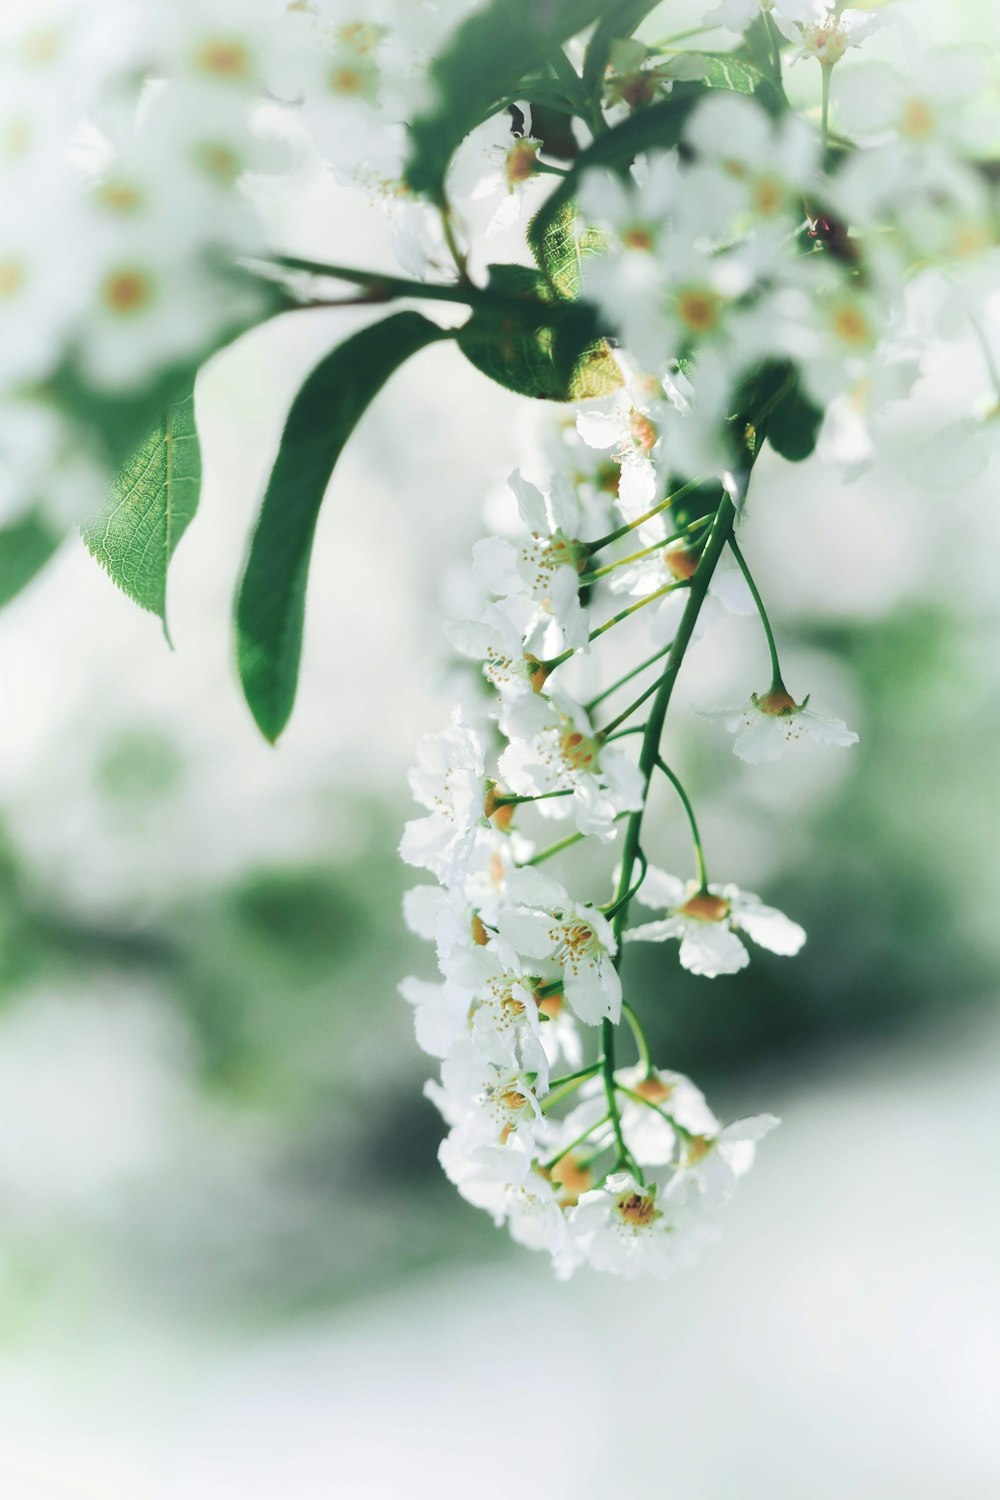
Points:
(769, 724)
(626, 423)
(737, 15)
(630, 1228)
(496, 642)
(771, 163)
(710, 922)
(497, 1100)
(924, 106)
(553, 749)
(715, 1163)
(449, 779)
(496, 160)
(568, 939)
(538, 577)
(829, 38)
(727, 589)
(670, 1100)
(441, 1014)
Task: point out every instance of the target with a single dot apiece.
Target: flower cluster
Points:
(629, 1179)
(724, 269)
(127, 132)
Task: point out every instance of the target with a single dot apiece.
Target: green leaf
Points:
(152, 502)
(25, 547)
(552, 351)
(270, 610)
(726, 70)
(560, 248)
(793, 426)
(489, 58)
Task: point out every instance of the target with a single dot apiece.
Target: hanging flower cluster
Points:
(621, 1168)
(704, 270)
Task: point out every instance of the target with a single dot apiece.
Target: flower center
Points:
(653, 1089)
(699, 309)
(637, 237)
(777, 704)
(42, 46)
(917, 120)
(12, 278)
(479, 934)
(705, 907)
(571, 1177)
(768, 195)
(127, 291)
(578, 751)
(827, 42)
(219, 161)
(224, 58)
(696, 1148)
(637, 1209)
(644, 434)
(520, 163)
(681, 562)
(15, 138)
(120, 197)
(850, 325)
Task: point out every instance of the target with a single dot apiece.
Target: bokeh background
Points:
(229, 1265)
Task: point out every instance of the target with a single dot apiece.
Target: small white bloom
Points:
(630, 1228)
(829, 38)
(769, 724)
(568, 940)
(497, 642)
(449, 779)
(710, 923)
(626, 424)
(670, 1100)
(441, 1014)
(538, 577)
(496, 160)
(715, 1163)
(553, 749)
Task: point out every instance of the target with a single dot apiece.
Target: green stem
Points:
(388, 286)
(638, 1099)
(623, 614)
(612, 536)
(557, 848)
(622, 1156)
(566, 1086)
(699, 852)
(638, 1035)
(554, 1160)
(612, 907)
(777, 686)
(508, 799)
(722, 525)
(678, 536)
(649, 662)
(627, 713)
(825, 115)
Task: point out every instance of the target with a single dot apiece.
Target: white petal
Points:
(600, 430)
(711, 949)
(770, 928)
(660, 890)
